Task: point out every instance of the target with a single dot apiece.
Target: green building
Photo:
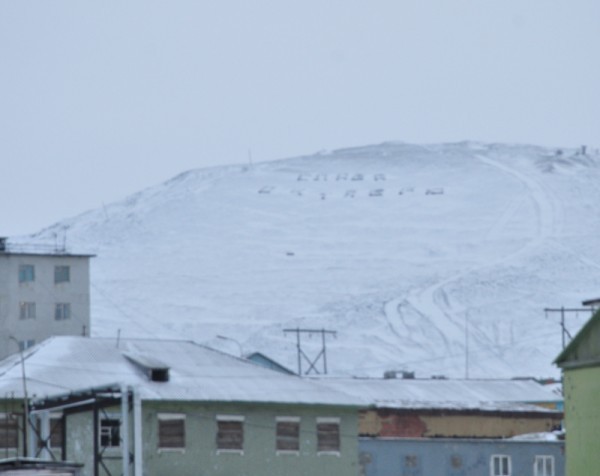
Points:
(157, 407)
(580, 363)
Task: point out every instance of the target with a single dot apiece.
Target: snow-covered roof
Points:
(543, 436)
(64, 364)
(196, 373)
(482, 395)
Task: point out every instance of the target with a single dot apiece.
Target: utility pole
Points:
(25, 399)
(467, 347)
(321, 356)
(563, 311)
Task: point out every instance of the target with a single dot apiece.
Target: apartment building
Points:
(43, 292)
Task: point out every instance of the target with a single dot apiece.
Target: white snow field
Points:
(411, 253)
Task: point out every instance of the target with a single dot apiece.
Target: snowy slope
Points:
(396, 247)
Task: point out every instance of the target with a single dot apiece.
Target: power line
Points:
(462, 354)
(563, 311)
(130, 317)
(321, 356)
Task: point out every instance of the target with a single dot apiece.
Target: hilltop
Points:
(411, 253)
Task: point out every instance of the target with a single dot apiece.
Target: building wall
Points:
(395, 423)
(582, 417)
(200, 456)
(14, 408)
(45, 293)
(454, 457)
(260, 456)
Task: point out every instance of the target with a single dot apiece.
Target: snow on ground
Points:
(411, 253)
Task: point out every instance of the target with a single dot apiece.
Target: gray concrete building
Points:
(43, 292)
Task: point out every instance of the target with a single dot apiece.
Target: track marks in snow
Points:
(509, 213)
(431, 302)
(545, 208)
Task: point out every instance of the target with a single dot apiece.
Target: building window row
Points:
(230, 438)
(62, 274)
(230, 433)
(62, 310)
(501, 465)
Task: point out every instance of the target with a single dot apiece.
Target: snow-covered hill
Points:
(411, 253)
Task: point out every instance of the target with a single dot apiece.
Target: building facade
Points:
(580, 363)
(504, 421)
(41, 294)
(449, 408)
(154, 407)
(461, 457)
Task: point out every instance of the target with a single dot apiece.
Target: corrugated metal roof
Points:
(486, 395)
(198, 373)
(62, 364)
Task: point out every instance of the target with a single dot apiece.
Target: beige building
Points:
(42, 293)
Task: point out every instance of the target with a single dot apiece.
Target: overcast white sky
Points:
(101, 99)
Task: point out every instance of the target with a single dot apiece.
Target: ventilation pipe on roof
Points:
(389, 374)
(155, 370)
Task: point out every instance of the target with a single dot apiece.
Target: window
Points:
(500, 465)
(287, 434)
(62, 274)
(62, 311)
(26, 310)
(110, 433)
(26, 273)
(230, 433)
(9, 431)
(56, 432)
(171, 431)
(543, 466)
(328, 435)
(26, 344)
